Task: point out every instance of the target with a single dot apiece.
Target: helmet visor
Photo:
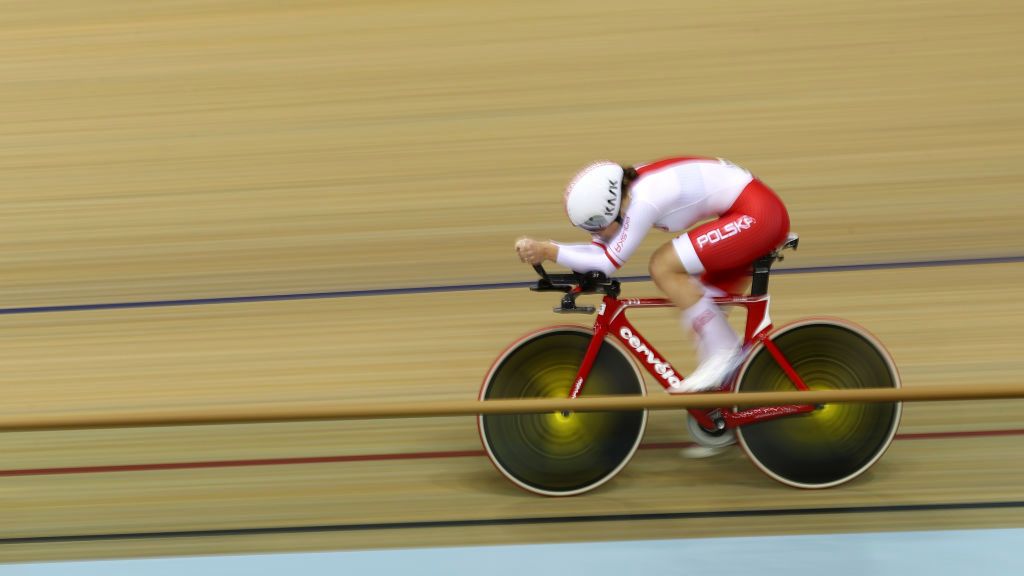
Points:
(597, 224)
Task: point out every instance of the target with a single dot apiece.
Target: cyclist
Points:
(618, 206)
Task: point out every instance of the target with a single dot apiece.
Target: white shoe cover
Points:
(710, 373)
(697, 451)
(706, 444)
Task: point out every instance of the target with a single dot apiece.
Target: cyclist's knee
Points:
(664, 265)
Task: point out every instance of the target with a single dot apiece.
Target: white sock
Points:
(711, 328)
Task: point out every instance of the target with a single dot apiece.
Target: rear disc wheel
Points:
(837, 442)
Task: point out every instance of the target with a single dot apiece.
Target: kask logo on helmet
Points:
(598, 221)
(613, 194)
(593, 198)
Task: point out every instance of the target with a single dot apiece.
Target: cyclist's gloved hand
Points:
(532, 251)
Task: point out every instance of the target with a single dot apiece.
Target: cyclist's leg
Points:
(717, 344)
(672, 278)
(754, 225)
(731, 282)
(721, 250)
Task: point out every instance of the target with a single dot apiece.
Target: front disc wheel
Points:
(561, 453)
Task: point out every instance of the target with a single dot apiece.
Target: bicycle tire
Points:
(837, 442)
(555, 454)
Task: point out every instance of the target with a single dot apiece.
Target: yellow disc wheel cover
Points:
(561, 453)
(838, 441)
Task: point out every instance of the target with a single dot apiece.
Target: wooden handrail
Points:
(343, 410)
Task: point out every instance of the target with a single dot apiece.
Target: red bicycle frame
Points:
(611, 319)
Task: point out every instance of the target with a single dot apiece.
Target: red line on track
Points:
(240, 463)
(400, 456)
(959, 434)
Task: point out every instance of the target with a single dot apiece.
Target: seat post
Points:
(762, 268)
(763, 265)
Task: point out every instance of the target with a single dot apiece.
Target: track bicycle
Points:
(802, 445)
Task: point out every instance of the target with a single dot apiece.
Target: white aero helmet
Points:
(594, 196)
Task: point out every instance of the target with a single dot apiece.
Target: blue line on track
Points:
(474, 287)
(930, 552)
(711, 514)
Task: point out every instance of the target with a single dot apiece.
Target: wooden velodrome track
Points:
(203, 150)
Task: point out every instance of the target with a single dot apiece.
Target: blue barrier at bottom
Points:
(878, 553)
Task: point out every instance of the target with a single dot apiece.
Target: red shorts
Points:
(722, 251)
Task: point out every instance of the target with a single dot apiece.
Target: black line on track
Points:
(711, 514)
(474, 287)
